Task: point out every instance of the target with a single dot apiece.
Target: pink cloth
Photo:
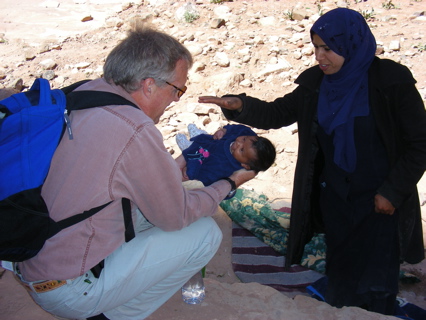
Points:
(117, 152)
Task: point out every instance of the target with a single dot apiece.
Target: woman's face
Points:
(329, 61)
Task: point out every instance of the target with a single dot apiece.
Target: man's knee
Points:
(213, 229)
(210, 235)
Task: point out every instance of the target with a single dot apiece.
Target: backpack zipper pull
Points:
(68, 124)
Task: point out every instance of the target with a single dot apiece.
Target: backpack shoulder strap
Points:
(74, 86)
(85, 99)
(127, 214)
(67, 222)
(129, 233)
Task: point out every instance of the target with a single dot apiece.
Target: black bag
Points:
(25, 224)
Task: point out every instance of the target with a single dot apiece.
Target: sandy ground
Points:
(227, 298)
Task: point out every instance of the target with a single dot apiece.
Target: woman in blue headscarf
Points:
(362, 150)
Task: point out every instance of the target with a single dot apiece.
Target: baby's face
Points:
(243, 151)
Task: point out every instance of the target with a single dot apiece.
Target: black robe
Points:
(400, 119)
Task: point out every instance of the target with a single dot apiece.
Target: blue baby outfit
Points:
(209, 160)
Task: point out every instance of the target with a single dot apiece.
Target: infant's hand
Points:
(219, 134)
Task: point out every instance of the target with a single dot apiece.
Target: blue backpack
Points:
(31, 126)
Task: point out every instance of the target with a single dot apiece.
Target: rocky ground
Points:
(257, 47)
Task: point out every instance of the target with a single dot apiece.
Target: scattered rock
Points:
(394, 45)
(17, 84)
(245, 46)
(87, 18)
(29, 54)
(48, 64)
(217, 23)
(222, 59)
(82, 65)
(48, 75)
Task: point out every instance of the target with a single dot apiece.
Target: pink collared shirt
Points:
(117, 152)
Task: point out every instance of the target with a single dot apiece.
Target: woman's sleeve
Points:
(267, 115)
(410, 164)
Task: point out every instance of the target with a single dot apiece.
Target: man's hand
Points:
(184, 175)
(383, 205)
(242, 176)
(182, 166)
(230, 103)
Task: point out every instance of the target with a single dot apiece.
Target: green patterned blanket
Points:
(253, 212)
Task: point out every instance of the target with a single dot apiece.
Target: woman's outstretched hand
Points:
(229, 103)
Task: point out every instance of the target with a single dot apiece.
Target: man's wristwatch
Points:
(233, 188)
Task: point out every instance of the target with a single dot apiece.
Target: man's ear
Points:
(148, 86)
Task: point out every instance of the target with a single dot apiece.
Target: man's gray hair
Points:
(145, 53)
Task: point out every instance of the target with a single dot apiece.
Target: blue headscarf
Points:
(344, 95)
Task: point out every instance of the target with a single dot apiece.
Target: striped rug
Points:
(254, 261)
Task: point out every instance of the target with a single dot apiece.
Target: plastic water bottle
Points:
(193, 291)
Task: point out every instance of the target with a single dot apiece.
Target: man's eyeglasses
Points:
(180, 91)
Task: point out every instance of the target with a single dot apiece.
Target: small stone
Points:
(17, 84)
(82, 65)
(29, 54)
(87, 18)
(246, 83)
(222, 59)
(48, 75)
(48, 64)
(217, 23)
(394, 45)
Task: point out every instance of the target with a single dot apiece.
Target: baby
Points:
(212, 157)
